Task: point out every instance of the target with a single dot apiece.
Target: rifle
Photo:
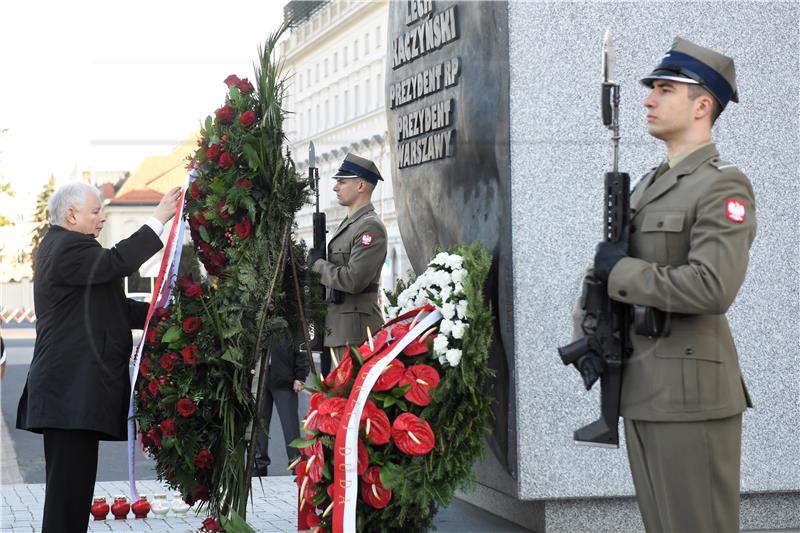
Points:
(605, 343)
(319, 224)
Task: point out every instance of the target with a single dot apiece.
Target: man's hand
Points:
(608, 254)
(166, 208)
(313, 256)
(298, 385)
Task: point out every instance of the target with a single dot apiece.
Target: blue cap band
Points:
(700, 72)
(360, 171)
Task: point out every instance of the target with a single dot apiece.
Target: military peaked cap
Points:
(687, 62)
(354, 166)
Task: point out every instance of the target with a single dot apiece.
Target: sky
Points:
(102, 85)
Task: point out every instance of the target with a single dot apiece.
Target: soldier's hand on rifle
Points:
(607, 255)
(591, 367)
(313, 255)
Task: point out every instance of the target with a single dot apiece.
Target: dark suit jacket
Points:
(286, 365)
(79, 378)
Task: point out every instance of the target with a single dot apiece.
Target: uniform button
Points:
(689, 351)
(660, 224)
(623, 293)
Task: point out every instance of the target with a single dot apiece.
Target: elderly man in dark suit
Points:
(78, 383)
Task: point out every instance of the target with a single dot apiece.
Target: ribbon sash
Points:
(345, 457)
(167, 273)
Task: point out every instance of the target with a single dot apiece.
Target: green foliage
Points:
(40, 217)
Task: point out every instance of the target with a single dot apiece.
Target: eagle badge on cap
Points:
(734, 209)
(366, 239)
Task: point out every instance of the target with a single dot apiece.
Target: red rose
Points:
(390, 376)
(329, 414)
(194, 291)
(206, 249)
(232, 80)
(184, 281)
(412, 435)
(423, 379)
(200, 492)
(162, 313)
(168, 361)
(186, 407)
(243, 228)
(153, 387)
(245, 87)
(375, 424)
(168, 427)
(218, 260)
(190, 354)
(155, 437)
(211, 524)
(247, 118)
(144, 367)
(372, 490)
(224, 115)
(226, 160)
(151, 337)
(243, 182)
(203, 459)
(212, 154)
(194, 190)
(201, 219)
(191, 325)
(223, 211)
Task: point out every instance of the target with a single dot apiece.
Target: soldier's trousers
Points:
(686, 474)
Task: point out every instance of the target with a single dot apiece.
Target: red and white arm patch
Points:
(366, 238)
(735, 210)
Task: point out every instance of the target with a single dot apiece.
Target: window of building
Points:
(319, 120)
(316, 73)
(366, 44)
(308, 121)
(327, 123)
(308, 78)
(325, 67)
(379, 90)
(346, 105)
(355, 50)
(344, 56)
(300, 81)
(335, 61)
(336, 109)
(378, 37)
(356, 103)
(300, 132)
(368, 94)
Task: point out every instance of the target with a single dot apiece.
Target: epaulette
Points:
(721, 165)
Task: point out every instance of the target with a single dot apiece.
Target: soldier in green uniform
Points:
(693, 220)
(356, 254)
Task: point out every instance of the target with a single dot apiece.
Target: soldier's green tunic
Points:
(356, 254)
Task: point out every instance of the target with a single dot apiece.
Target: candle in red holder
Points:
(141, 507)
(120, 508)
(99, 508)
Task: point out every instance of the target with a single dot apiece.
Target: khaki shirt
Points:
(356, 254)
(691, 231)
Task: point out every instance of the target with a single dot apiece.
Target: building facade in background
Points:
(335, 59)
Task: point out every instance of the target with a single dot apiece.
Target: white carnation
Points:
(458, 289)
(453, 357)
(458, 330)
(446, 327)
(391, 312)
(448, 311)
(459, 275)
(440, 259)
(442, 360)
(421, 299)
(461, 309)
(454, 262)
(440, 345)
(446, 292)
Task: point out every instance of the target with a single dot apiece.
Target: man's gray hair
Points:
(72, 194)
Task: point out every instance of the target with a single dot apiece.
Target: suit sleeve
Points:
(366, 260)
(84, 262)
(137, 313)
(301, 366)
(717, 261)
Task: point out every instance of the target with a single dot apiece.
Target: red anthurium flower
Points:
(191, 325)
(412, 435)
(186, 407)
(211, 524)
(243, 182)
(194, 291)
(329, 414)
(422, 379)
(378, 342)
(307, 489)
(247, 119)
(232, 80)
(168, 427)
(419, 345)
(372, 490)
(190, 354)
(342, 374)
(203, 459)
(398, 330)
(375, 424)
(245, 87)
(224, 115)
(168, 361)
(184, 281)
(363, 458)
(315, 461)
(310, 421)
(390, 376)
(243, 228)
(144, 367)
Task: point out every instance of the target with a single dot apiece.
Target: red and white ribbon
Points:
(167, 273)
(345, 457)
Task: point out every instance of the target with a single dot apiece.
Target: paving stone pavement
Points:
(272, 509)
